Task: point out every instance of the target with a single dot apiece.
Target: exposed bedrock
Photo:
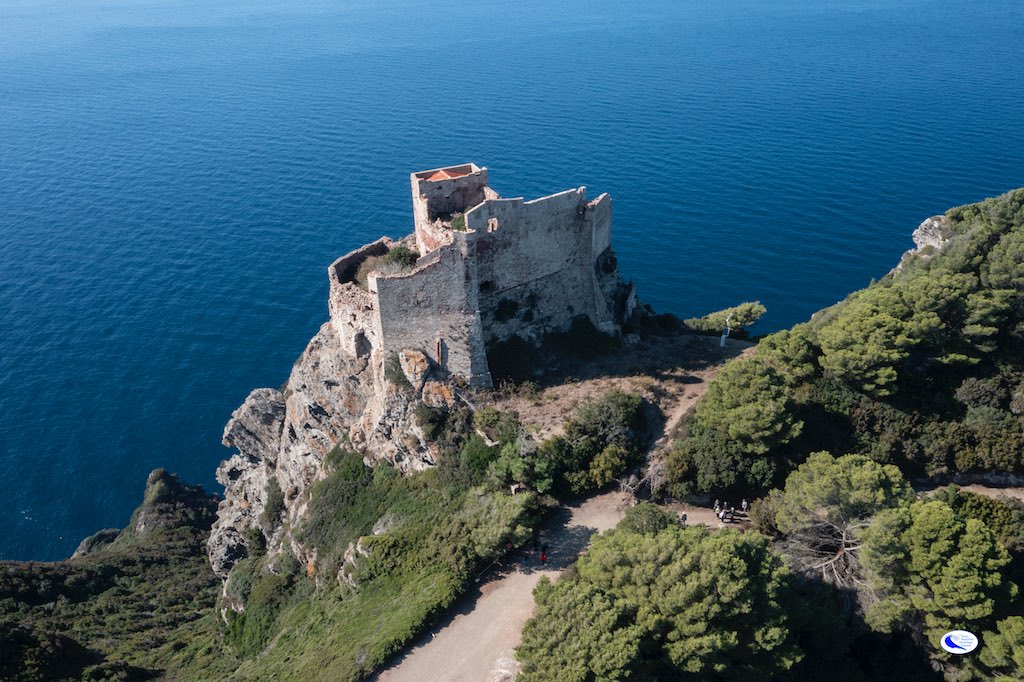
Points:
(331, 397)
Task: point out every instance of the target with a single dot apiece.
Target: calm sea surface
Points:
(176, 175)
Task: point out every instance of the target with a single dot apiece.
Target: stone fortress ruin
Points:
(486, 269)
(412, 323)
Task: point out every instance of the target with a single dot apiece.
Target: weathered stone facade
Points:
(489, 268)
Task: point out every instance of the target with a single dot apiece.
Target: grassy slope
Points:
(122, 611)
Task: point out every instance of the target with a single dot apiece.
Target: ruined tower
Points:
(488, 269)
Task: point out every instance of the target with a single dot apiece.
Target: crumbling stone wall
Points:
(517, 267)
(536, 263)
(439, 193)
(354, 310)
(433, 309)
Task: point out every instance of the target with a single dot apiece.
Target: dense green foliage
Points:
(923, 369)
(931, 571)
(838, 492)
(916, 567)
(735, 318)
(601, 441)
(127, 609)
(1004, 515)
(391, 552)
(674, 603)
(745, 413)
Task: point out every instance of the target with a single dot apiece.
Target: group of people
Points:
(536, 547)
(727, 513)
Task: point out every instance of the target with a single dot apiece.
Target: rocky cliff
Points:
(123, 605)
(283, 437)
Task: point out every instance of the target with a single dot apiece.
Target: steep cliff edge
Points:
(282, 438)
(123, 604)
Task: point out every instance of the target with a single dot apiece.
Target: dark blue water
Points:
(176, 175)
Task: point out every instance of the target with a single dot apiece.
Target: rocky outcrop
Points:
(96, 542)
(930, 237)
(331, 397)
(935, 232)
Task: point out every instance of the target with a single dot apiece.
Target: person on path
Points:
(543, 558)
(743, 505)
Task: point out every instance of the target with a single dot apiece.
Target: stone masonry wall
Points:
(354, 310)
(432, 199)
(435, 305)
(536, 263)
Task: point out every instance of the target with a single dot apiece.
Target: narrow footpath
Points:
(477, 641)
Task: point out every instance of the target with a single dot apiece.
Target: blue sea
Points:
(176, 175)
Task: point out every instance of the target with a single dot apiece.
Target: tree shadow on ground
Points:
(664, 356)
(564, 543)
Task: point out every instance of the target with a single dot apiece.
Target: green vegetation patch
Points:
(412, 543)
(923, 369)
(123, 611)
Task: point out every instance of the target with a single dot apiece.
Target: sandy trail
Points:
(476, 642)
(481, 634)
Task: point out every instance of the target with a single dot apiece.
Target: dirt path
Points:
(671, 373)
(1016, 493)
(480, 636)
(477, 640)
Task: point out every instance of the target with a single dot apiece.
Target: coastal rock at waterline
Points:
(934, 232)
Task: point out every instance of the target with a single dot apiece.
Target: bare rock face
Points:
(255, 427)
(415, 365)
(930, 237)
(331, 397)
(934, 232)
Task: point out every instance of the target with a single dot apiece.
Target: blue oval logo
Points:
(959, 642)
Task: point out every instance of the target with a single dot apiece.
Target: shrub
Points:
(476, 454)
(432, 420)
(486, 418)
(737, 317)
(975, 392)
(274, 506)
(393, 372)
(608, 464)
(645, 518)
(503, 427)
(612, 426)
(762, 516)
(397, 259)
